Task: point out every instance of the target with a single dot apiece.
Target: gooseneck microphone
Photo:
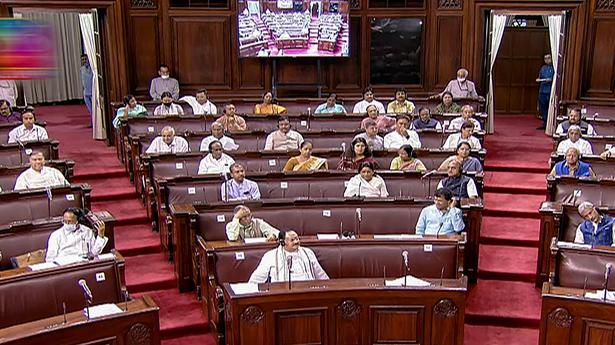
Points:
(404, 255)
(607, 275)
(86, 290)
(289, 265)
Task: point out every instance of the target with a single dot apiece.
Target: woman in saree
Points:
(305, 161)
(407, 161)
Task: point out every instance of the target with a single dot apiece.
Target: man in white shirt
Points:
(368, 99)
(245, 226)
(200, 104)
(217, 134)
(28, 131)
(216, 161)
(74, 239)
(8, 91)
(168, 107)
(467, 114)
(289, 259)
(163, 83)
(284, 138)
(575, 140)
(402, 135)
(167, 142)
(38, 175)
(574, 118)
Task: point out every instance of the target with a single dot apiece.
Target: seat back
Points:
(574, 266)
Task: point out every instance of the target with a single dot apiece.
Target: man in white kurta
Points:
(245, 226)
(28, 131)
(217, 133)
(75, 240)
(284, 138)
(575, 140)
(467, 128)
(402, 135)
(200, 104)
(38, 175)
(274, 264)
(8, 91)
(216, 161)
(368, 99)
(167, 142)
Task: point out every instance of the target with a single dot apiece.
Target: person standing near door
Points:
(545, 78)
(86, 81)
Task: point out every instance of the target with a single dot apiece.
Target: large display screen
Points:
(293, 28)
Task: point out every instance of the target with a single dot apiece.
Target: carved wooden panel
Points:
(346, 72)
(301, 326)
(559, 326)
(139, 334)
(600, 81)
(445, 318)
(398, 325)
(598, 332)
(139, 4)
(605, 5)
(448, 50)
(348, 323)
(450, 4)
(201, 51)
(144, 51)
(252, 325)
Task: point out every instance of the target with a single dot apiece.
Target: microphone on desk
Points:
(429, 173)
(359, 191)
(49, 198)
(441, 275)
(86, 290)
(289, 265)
(404, 255)
(359, 219)
(607, 274)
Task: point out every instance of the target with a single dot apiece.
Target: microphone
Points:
(429, 173)
(86, 290)
(440, 228)
(404, 255)
(289, 264)
(359, 191)
(607, 274)
(343, 148)
(358, 211)
(359, 219)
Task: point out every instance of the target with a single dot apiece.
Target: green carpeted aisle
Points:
(503, 308)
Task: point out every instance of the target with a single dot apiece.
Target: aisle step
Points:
(503, 303)
(126, 212)
(132, 240)
(493, 335)
(149, 272)
(512, 205)
(515, 183)
(509, 231)
(507, 263)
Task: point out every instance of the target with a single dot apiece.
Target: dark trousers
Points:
(543, 106)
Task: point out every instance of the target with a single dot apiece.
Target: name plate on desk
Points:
(397, 237)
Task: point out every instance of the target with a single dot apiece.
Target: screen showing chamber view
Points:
(293, 28)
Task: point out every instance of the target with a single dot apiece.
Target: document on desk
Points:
(410, 281)
(42, 266)
(610, 295)
(102, 310)
(69, 259)
(327, 236)
(397, 237)
(255, 240)
(244, 288)
(106, 256)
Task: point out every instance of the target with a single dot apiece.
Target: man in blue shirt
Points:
(545, 78)
(597, 229)
(86, 81)
(441, 218)
(239, 187)
(572, 166)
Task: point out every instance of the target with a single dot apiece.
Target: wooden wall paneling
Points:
(448, 49)
(297, 71)
(346, 73)
(251, 73)
(399, 325)
(144, 50)
(600, 61)
(200, 57)
(302, 326)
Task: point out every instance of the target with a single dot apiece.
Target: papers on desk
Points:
(106, 256)
(69, 259)
(255, 240)
(397, 237)
(410, 281)
(571, 245)
(610, 295)
(327, 236)
(102, 310)
(244, 288)
(42, 266)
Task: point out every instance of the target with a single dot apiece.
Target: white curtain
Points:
(498, 24)
(66, 85)
(87, 31)
(555, 28)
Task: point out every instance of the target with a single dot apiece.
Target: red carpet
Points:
(503, 308)
(147, 271)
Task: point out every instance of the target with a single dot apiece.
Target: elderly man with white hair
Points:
(245, 226)
(461, 87)
(167, 142)
(597, 229)
(572, 166)
(575, 140)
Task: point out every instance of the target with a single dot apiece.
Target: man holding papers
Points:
(244, 226)
(288, 258)
(441, 218)
(74, 239)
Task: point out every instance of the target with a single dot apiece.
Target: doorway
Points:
(519, 59)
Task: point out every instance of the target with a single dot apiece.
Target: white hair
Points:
(584, 206)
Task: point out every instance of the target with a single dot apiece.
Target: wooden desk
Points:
(347, 311)
(138, 325)
(568, 318)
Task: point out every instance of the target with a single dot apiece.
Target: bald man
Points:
(167, 142)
